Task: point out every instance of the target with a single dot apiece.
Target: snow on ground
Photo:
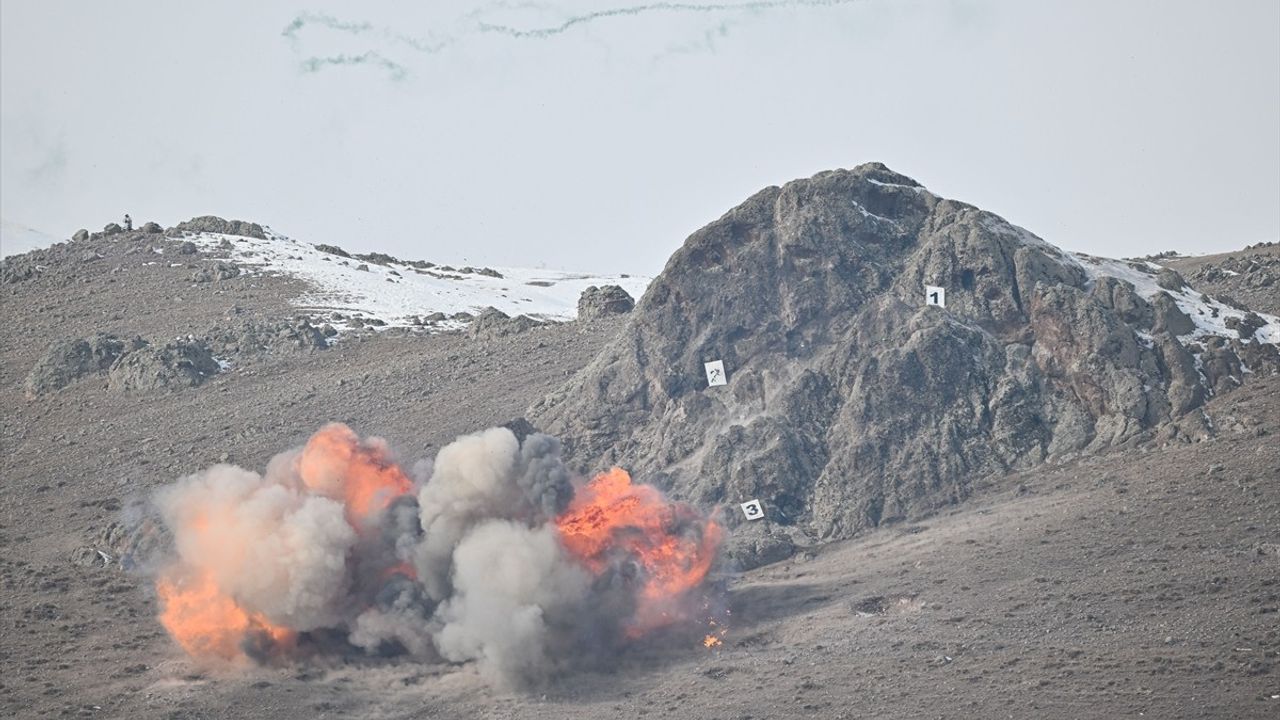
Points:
(16, 239)
(397, 292)
(1208, 314)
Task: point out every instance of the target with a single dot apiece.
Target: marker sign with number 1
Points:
(935, 296)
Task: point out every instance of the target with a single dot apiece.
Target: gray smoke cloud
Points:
(461, 562)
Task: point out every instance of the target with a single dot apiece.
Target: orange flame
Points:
(673, 544)
(209, 624)
(711, 641)
(337, 464)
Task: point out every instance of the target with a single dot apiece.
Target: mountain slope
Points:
(850, 402)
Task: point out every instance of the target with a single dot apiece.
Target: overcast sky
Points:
(558, 134)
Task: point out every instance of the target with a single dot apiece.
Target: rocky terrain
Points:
(852, 402)
(1250, 277)
(1054, 497)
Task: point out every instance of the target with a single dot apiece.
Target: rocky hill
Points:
(851, 401)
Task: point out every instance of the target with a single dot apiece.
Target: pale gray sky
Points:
(511, 133)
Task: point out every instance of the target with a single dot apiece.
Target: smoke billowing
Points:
(491, 553)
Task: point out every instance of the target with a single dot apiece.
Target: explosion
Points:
(491, 553)
(207, 623)
(671, 542)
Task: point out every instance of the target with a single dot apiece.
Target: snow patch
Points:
(397, 292)
(1209, 315)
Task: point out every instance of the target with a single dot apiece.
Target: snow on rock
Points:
(1209, 314)
(399, 293)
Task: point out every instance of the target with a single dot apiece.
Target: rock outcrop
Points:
(66, 361)
(214, 224)
(181, 363)
(850, 401)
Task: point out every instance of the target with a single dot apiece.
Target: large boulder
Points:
(850, 401)
(493, 323)
(596, 302)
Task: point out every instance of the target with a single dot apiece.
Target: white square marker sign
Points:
(715, 373)
(934, 295)
(752, 510)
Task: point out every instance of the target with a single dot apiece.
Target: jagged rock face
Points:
(850, 402)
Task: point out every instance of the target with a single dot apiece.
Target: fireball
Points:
(611, 520)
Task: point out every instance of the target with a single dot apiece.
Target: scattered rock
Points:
(112, 229)
(80, 235)
(1247, 326)
(152, 228)
(188, 248)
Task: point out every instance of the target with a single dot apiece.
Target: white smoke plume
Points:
(488, 554)
(227, 520)
(514, 587)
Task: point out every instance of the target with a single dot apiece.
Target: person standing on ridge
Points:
(128, 222)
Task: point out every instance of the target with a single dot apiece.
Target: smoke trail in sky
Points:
(475, 23)
(660, 7)
(308, 18)
(371, 58)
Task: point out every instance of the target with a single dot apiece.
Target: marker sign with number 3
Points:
(752, 510)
